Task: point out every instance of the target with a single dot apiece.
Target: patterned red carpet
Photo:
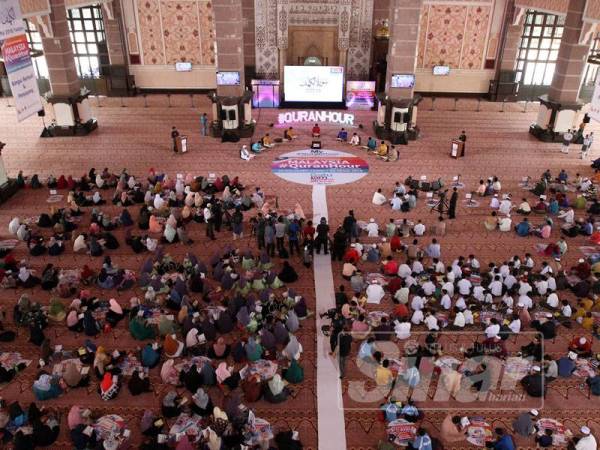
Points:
(137, 138)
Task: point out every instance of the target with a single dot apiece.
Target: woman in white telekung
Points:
(245, 154)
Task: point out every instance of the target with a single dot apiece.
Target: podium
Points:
(181, 144)
(457, 148)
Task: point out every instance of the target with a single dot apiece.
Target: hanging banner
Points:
(594, 112)
(11, 19)
(15, 52)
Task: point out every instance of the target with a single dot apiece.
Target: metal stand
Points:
(442, 204)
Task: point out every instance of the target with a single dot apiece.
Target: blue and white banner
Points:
(15, 52)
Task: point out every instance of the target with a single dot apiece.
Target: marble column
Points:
(511, 47)
(560, 110)
(404, 35)
(571, 58)
(58, 51)
(229, 39)
(114, 37)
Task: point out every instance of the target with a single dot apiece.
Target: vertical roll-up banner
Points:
(15, 52)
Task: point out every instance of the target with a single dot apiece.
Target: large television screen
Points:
(402, 80)
(313, 83)
(228, 78)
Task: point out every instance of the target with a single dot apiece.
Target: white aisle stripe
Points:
(331, 431)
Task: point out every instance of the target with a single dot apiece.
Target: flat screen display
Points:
(313, 83)
(403, 80)
(183, 66)
(360, 94)
(228, 78)
(441, 70)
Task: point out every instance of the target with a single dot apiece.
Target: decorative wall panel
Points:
(265, 32)
(176, 30)
(453, 35)
(151, 32)
(473, 51)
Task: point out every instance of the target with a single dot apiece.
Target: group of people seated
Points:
(186, 320)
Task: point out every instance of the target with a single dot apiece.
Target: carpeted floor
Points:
(137, 138)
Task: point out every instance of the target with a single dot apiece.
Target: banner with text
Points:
(17, 61)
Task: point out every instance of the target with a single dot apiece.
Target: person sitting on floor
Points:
(245, 154)
(342, 135)
(289, 134)
(355, 139)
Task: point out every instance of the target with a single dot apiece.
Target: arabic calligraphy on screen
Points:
(313, 83)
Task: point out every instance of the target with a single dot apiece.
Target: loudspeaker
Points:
(231, 114)
(399, 119)
(41, 113)
(223, 114)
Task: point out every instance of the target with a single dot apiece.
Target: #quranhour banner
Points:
(15, 51)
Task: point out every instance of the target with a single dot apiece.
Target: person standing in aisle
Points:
(567, 138)
(452, 205)
(174, 136)
(204, 124)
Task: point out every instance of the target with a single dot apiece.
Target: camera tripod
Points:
(442, 204)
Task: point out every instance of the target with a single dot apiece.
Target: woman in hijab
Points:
(166, 326)
(254, 350)
(276, 392)
(288, 273)
(73, 377)
(192, 378)
(226, 377)
(144, 218)
(75, 417)
(170, 405)
(209, 376)
(140, 329)
(168, 372)
(293, 349)
(252, 388)
(109, 386)
(170, 234)
(125, 218)
(154, 225)
(294, 374)
(202, 404)
(97, 199)
(137, 384)
(114, 313)
(219, 350)
(74, 323)
(79, 244)
(193, 343)
(36, 246)
(91, 326)
(56, 311)
(36, 333)
(101, 360)
(95, 249)
(46, 387)
(25, 279)
(150, 357)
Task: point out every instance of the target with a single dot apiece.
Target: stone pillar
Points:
(559, 110)
(229, 37)
(404, 35)
(508, 59)
(58, 51)
(114, 37)
(571, 58)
